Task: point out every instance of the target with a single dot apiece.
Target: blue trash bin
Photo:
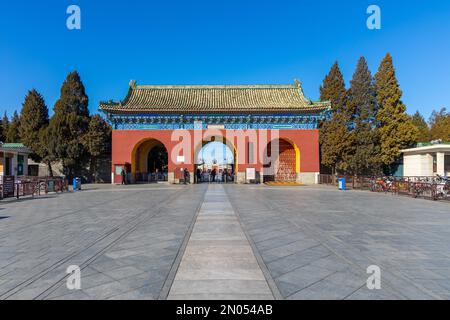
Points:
(341, 183)
(76, 184)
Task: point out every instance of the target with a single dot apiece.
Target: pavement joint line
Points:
(268, 277)
(350, 294)
(87, 262)
(70, 213)
(309, 231)
(432, 234)
(292, 254)
(403, 237)
(392, 272)
(40, 274)
(60, 262)
(282, 245)
(315, 282)
(268, 239)
(176, 264)
(303, 265)
(229, 213)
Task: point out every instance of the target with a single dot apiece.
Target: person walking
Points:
(186, 176)
(225, 175)
(199, 175)
(213, 175)
(124, 177)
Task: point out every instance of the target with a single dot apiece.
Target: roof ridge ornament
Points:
(298, 85)
(133, 84)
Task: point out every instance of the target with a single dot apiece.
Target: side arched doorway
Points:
(150, 161)
(284, 163)
(215, 162)
(157, 159)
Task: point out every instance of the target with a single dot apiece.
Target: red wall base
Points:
(186, 143)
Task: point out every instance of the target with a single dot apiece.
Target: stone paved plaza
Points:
(224, 242)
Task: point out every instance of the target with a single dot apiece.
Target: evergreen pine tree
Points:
(333, 89)
(2, 131)
(97, 141)
(13, 133)
(5, 126)
(440, 125)
(362, 105)
(422, 127)
(335, 137)
(68, 126)
(46, 154)
(395, 128)
(33, 119)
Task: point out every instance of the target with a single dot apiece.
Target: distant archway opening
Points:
(285, 165)
(215, 162)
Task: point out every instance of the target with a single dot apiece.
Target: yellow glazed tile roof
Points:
(214, 99)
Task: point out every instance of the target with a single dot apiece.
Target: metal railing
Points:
(150, 177)
(34, 186)
(207, 177)
(434, 188)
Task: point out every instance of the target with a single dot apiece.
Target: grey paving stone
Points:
(124, 272)
(75, 295)
(107, 290)
(220, 296)
(308, 238)
(301, 278)
(74, 228)
(212, 263)
(407, 238)
(338, 286)
(288, 249)
(296, 260)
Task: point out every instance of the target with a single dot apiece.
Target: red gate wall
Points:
(124, 142)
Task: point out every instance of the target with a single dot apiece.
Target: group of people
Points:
(214, 175)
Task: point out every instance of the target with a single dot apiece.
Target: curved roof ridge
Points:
(214, 98)
(218, 86)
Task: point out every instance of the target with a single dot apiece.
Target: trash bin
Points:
(51, 186)
(341, 183)
(76, 184)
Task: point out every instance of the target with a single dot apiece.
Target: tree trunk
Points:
(93, 169)
(333, 173)
(49, 168)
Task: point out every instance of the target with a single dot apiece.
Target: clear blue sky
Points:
(219, 42)
(217, 151)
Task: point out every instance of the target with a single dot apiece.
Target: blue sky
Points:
(219, 42)
(217, 151)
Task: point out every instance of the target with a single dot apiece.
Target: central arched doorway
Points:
(215, 163)
(150, 162)
(284, 166)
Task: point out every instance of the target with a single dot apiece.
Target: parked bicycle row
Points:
(435, 188)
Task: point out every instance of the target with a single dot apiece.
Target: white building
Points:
(13, 159)
(427, 160)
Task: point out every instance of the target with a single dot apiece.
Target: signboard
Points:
(51, 186)
(8, 186)
(251, 173)
(180, 159)
(282, 126)
(216, 126)
(119, 170)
